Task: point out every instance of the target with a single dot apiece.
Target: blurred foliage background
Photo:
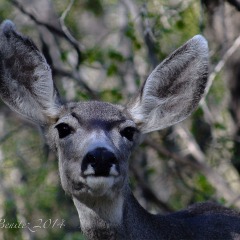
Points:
(104, 50)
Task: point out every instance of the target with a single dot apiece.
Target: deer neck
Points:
(100, 218)
(109, 218)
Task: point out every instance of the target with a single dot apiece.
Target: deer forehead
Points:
(95, 114)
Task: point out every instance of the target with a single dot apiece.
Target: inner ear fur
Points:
(174, 88)
(26, 84)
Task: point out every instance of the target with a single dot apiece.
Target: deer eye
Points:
(128, 133)
(63, 130)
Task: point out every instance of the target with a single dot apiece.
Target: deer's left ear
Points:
(26, 84)
(173, 90)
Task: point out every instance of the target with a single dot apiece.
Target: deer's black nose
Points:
(100, 162)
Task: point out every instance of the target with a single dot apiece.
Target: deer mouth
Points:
(96, 181)
(78, 186)
(95, 185)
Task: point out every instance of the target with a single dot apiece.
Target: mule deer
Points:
(94, 139)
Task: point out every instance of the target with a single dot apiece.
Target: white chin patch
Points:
(100, 185)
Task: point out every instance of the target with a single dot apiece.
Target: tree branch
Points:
(10, 133)
(75, 76)
(149, 192)
(234, 3)
(222, 62)
(67, 32)
(52, 29)
(217, 181)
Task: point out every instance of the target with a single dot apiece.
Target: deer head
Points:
(94, 139)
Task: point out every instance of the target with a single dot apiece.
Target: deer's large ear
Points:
(174, 88)
(26, 83)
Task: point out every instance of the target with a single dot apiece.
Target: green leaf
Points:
(115, 55)
(112, 69)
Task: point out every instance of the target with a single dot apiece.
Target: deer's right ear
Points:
(173, 90)
(26, 84)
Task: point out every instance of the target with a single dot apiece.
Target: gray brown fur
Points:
(93, 140)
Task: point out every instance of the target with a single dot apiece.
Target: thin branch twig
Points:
(234, 3)
(52, 29)
(216, 180)
(222, 62)
(75, 76)
(10, 134)
(148, 191)
(65, 29)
